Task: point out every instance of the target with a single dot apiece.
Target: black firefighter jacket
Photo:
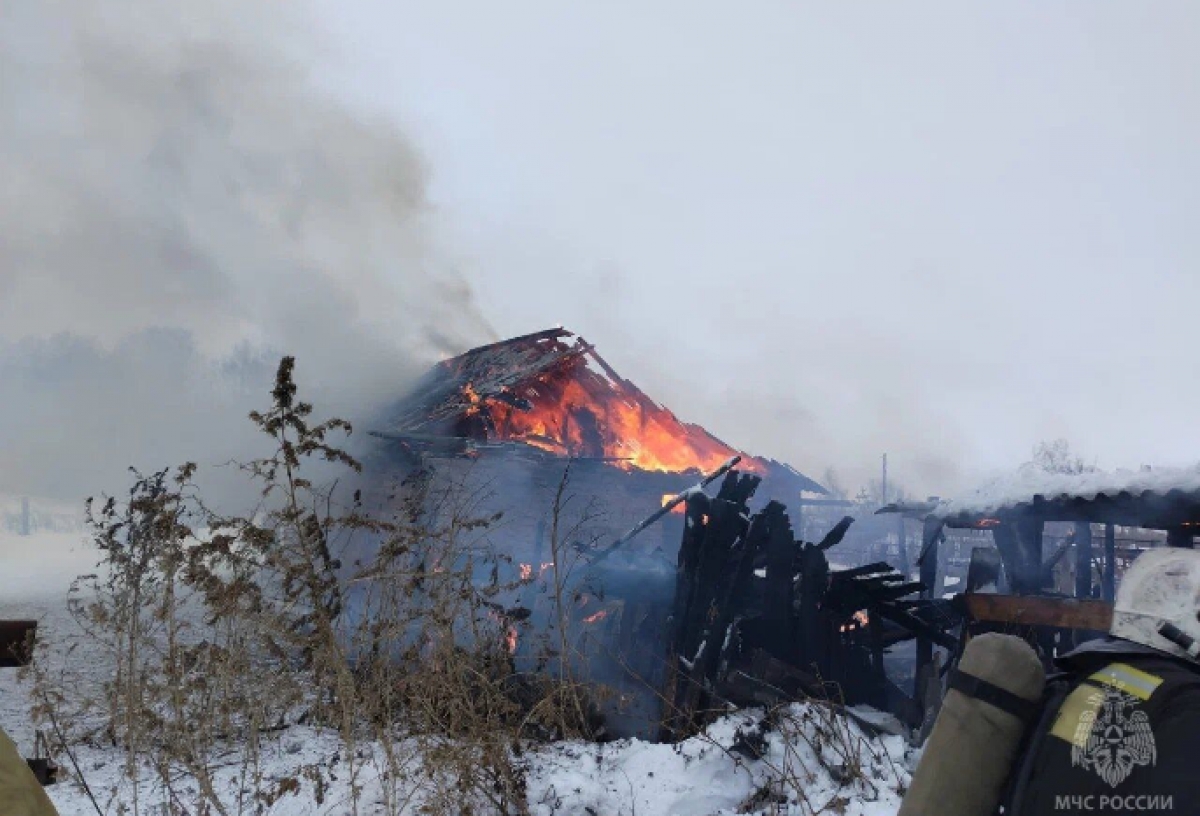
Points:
(1120, 734)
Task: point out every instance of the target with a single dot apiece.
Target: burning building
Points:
(541, 430)
(543, 393)
(513, 413)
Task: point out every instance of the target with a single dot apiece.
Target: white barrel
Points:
(974, 743)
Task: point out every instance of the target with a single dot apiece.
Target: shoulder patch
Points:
(1126, 678)
(1079, 710)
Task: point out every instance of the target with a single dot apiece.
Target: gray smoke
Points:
(181, 205)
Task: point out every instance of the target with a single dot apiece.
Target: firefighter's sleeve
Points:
(20, 792)
(1177, 741)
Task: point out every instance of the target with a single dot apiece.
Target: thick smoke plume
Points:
(181, 205)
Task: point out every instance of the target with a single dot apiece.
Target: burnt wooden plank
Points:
(865, 570)
(835, 536)
(756, 538)
(777, 594)
(1013, 546)
(699, 642)
(917, 626)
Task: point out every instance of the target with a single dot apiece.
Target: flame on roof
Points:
(553, 393)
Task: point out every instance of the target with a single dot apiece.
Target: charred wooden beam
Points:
(685, 571)
(917, 626)
(756, 538)
(707, 585)
(777, 594)
(984, 569)
(835, 536)
(898, 591)
(1019, 541)
(1109, 584)
(932, 534)
(863, 571)
(750, 484)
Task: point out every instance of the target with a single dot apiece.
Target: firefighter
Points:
(20, 792)
(1119, 731)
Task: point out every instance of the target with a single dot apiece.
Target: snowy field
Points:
(705, 776)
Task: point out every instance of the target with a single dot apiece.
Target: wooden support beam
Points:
(1180, 537)
(1033, 610)
(1083, 559)
(1020, 544)
(931, 535)
(1030, 530)
(1109, 585)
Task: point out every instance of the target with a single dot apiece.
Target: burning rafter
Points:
(552, 392)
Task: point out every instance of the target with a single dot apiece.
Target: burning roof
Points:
(552, 395)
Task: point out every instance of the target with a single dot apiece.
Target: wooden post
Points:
(1019, 541)
(931, 534)
(1109, 585)
(1180, 537)
(1083, 559)
(902, 546)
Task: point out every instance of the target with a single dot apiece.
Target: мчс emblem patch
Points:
(1113, 736)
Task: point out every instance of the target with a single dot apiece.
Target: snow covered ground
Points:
(818, 764)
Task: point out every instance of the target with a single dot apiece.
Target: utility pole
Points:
(884, 489)
(25, 525)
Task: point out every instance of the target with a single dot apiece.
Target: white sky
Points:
(944, 230)
(823, 231)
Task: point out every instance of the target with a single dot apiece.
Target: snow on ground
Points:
(703, 776)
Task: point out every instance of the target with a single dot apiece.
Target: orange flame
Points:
(527, 571)
(858, 620)
(573, 410)
(510, 631)
(679, 508)
(597, 616)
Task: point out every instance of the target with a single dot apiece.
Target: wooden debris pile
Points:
(761, 618)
